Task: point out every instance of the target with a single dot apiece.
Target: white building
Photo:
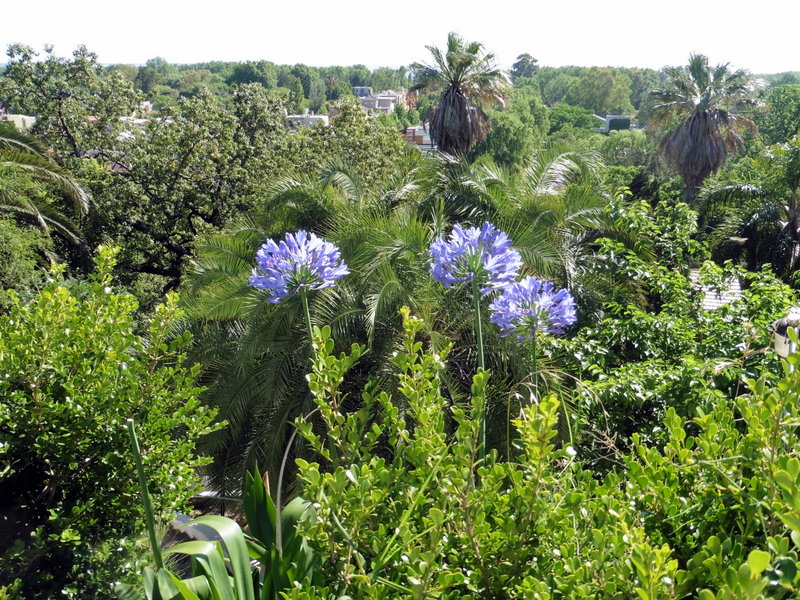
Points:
(21, 122)
(295, 122)
(380, 102)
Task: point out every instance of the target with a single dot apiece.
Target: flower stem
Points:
(148, 508)
(307, 314)
(535, 367)
(476, 296)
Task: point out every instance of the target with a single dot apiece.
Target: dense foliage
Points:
(627, 434)
(542, 526)
(73, 371)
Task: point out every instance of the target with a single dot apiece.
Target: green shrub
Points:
(405, 509)
(72, 370)
(21, 252)
(666, 350)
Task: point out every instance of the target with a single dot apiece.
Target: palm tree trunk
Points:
(690, 193)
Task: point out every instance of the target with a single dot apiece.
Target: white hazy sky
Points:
(761, 37)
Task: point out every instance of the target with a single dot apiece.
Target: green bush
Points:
(638, 362)
(405, 508)
(72, 370)
(21, 251)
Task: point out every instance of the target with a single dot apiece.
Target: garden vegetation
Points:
(535, 363)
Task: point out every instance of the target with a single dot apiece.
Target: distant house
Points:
(384, 103)
(359, 91)
(21, 122)
(131, 127)
(295, 122)
(714, 298)
(420, 137)
(613, 123)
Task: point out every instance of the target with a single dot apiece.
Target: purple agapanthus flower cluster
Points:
(484, 253)
(300, 261)
(532, 306)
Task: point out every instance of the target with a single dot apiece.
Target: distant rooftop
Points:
(716, 298)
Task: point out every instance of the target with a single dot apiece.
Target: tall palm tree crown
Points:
(706, 100)
(468, 80)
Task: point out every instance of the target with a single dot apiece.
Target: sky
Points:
(761, 37)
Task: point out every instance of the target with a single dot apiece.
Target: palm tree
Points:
(255, 353)
(762, 220)
(467, 79)
(21, 152)
(706, 102)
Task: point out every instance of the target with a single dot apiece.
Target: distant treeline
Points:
(299, 86)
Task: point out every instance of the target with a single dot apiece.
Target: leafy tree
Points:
(524, 66)
(526, 103)
(563, 115)
(359, 75)
(368, 145)
(510, 141)
(129, 71)
(146, 80)
(555, 85)
(160, 65)
(705, 101)
(386, 78)
(262, 72)
(603, 91)
(336, 89)
(317, 95)
(642, 81)
(75, 372)
(627, 148)
(296, 100)
(184, 174)
(467, 80)
(77, 106)
(305, 75)
(781, 118)
(191, 82)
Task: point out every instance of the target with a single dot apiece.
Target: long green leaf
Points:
(259, 510)
(208, 556)
(233, 539)
(126, 592)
